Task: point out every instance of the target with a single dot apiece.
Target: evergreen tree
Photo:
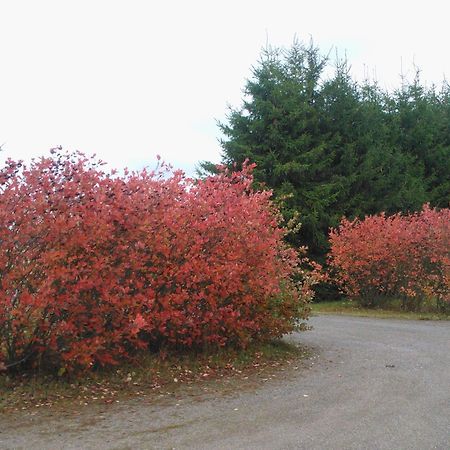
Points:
(421, 126)
(331, 147)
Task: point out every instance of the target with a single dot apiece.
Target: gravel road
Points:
(373, 384)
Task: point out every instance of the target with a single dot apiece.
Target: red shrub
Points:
(95, 266)
(397, 256)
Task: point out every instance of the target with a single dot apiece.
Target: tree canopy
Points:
(333, 147)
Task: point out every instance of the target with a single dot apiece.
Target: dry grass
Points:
(152, 375)
(350, 308)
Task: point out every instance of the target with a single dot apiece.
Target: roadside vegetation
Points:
(391, 310)
(371, 165)
(152, 376)
(403, 257)
(96, 268)
(113, 284)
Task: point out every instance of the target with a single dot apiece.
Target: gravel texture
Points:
(372, 384)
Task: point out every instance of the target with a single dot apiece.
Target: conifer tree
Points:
(331, 147)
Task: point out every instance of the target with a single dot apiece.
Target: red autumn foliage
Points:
(401, 256)
(95, 266)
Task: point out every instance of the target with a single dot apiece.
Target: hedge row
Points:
(400, 256)
(95, 267)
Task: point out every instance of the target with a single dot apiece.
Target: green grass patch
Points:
(153, 375)
(347, 307)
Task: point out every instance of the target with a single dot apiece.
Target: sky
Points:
(129, 80)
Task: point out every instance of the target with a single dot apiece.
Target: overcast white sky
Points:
(132, 79)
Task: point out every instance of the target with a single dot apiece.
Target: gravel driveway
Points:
(374, 384)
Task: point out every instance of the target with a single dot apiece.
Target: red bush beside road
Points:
(401, 256)
(94, 267)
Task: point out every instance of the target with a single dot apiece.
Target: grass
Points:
(347, 307)
(153, 375)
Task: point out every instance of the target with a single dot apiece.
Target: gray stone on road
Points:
(373, 384)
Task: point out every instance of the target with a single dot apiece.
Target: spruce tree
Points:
(331, 147)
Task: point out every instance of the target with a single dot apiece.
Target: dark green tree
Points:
(331, 147)
(420, 124)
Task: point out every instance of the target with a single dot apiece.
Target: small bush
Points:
(401, 256)
(96, 266)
